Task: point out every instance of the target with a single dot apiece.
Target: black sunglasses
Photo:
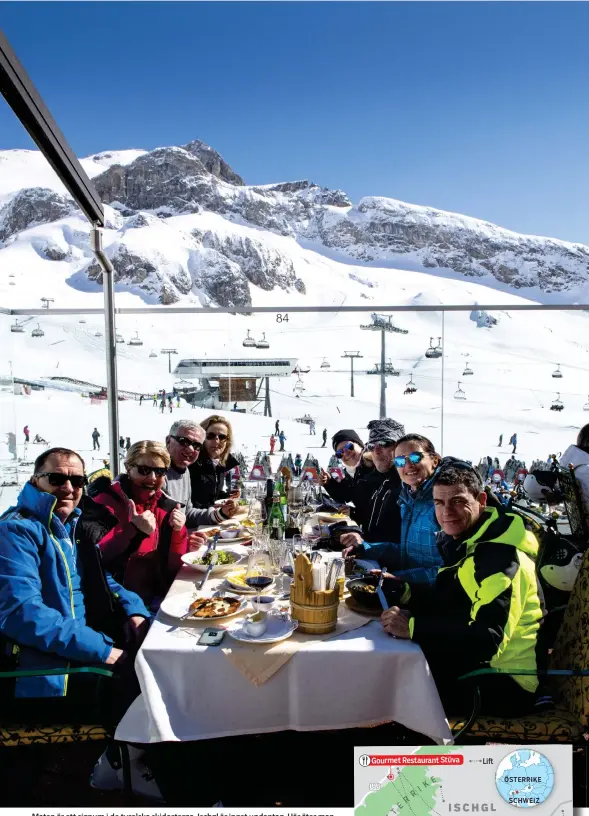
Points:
(381, 443)
(59, 479)
(145, 470)
(187, 443)
(212, 435)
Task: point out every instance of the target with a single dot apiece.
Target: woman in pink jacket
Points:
(147, 537)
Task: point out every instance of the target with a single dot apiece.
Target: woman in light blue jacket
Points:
(416, 557)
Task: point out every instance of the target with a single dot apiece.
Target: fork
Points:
(214, 559)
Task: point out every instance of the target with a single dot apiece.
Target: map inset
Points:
(475, 779)
(525, 778)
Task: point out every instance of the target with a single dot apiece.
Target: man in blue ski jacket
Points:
(58, 607)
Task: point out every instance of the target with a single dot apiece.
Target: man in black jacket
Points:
(361, 478)
(484, 609)
(379, 512)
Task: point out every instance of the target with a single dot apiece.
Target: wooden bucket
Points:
(316, 612)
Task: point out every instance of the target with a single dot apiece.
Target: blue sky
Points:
(479, 108)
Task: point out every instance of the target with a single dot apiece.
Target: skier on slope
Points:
(95, 438)
(25, 430)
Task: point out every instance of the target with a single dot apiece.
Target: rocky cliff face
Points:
(384, 229)
(35, 205)
(156, 252)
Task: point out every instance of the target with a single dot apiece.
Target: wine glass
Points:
(259, 572)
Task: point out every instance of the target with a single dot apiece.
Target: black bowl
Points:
(369, 600)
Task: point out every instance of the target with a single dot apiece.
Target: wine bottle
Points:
(276, 523)
(269, 494)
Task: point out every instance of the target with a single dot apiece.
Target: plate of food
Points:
(236, 580)
(200, 561)
(229, 532)
(206, 608)
(363, 591)
(332, 517)
(278, 627)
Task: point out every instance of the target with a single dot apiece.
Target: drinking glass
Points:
(275, 552)
(259, 572)
(287, 569)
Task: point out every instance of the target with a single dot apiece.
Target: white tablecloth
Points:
(362, 678)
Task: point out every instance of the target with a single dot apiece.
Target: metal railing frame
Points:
(248, 310)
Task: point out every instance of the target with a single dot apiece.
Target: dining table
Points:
(357, 676)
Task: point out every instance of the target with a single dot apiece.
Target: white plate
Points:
(331, 517)
(177, 605)
(245, 589)
(219, 569)
(277, 630)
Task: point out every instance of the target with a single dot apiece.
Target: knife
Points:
(380, 593)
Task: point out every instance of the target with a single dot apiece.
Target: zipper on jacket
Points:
(69, 581)
(375, 494)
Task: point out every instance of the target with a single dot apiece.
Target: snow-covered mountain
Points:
(183, 226)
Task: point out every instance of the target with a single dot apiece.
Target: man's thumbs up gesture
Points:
(177, 518)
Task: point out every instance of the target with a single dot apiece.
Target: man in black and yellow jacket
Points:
(484, 609)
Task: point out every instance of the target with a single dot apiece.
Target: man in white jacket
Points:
(578, 456)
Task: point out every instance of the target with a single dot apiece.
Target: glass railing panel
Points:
(514, 372)
(59, 370)
(289, 367)
(11, 444)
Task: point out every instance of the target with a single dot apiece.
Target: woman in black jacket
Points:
(361, 478)
(209, 475)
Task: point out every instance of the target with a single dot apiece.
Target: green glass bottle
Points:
(276, 523)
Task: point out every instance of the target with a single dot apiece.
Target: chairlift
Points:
(135, 341)
(325, 363)
(11, 276)
(390, 370)
(152, 353)
(11, 283)
(38, 332)
(586, 406)
(98, 334)
(263, 343)
(460, 394)
(298, 370)
(557, 405)
(558, 373)
(81, 321)
(120, 338)
(249, 341)
(434, 352)
(16, 327)
(467, 370)
(410, 387)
